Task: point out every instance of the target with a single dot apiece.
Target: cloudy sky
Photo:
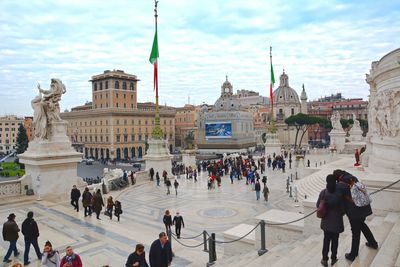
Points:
(327, 45)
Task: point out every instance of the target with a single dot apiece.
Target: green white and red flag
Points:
(271, 96)
(153, 60)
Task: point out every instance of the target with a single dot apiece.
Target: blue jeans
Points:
(258, 195)
(28, 246)
(11, 248)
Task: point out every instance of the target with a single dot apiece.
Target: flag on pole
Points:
(153, 60)
(272, 85)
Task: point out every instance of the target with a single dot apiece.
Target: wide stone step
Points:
(390, 249)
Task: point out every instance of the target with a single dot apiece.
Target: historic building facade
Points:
(286, 104)
(227, 127)
(9, 132)
(114, 125)
(185, 122)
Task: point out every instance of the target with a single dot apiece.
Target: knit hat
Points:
(11, 216)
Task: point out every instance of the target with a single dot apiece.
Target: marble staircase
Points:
(307, 251)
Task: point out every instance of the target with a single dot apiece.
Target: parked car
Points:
(89, 161)
(137, 166)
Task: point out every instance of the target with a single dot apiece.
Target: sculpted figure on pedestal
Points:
(47, 109)
(335, 119)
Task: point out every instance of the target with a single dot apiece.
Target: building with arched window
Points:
(114, 125)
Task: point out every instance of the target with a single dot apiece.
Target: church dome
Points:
(284, 94)
(227, 101)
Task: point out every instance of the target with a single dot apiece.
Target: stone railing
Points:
(12, 187)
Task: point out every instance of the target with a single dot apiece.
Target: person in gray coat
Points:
(332, 223)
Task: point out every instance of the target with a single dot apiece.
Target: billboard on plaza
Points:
(219, 130)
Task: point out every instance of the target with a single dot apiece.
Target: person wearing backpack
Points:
(176, 184)
(332, 219)
(356, 215)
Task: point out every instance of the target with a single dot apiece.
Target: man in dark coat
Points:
(10, 234)
(178, 222)
(151, 174)
(30, 231)
(160, 252)
(75, 195)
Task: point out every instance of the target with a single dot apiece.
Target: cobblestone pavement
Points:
(110, 242)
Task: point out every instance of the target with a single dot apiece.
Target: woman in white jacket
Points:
(50, 257)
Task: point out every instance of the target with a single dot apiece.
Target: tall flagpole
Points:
(271, 96)
(157, 118)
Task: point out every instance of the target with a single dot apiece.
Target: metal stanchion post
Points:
(316, 164)
(169, 234)
(212, 255)
(290, 192)
(291, 176)
(263, 249)
(287, 185)
(296, 176)
(205, 240)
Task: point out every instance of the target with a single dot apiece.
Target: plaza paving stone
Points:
(110, 242)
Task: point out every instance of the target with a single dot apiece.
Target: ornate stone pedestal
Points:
(356, 134)
(158, 156)
(52, 164)
(337, 140)
(272, 144)
(189, 157)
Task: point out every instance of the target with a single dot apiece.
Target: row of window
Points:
(117, 122)
(119, 138)
(6, 124)
(13, 134)
(99, 85)
(8, 129)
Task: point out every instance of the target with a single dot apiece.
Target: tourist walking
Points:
(118, 209)
(168, 184)
(167, 220)
(266, 192)
(30, 231)
(160, 252)
(133, 177)
(110, 207)
(176, 184)
(10, 234)
(75, 195)
(257, 188)
(137, 258)
(178, 222)
(332, 222)
(71, 259)
(158, 179)
(50, 257)
(87, 202)
(98, 203)
(151, 173)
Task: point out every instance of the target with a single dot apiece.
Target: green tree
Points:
(22, 139)
(302, 122)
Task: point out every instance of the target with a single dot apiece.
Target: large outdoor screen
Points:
(219, 130)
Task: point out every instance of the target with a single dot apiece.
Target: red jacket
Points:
(73, 261)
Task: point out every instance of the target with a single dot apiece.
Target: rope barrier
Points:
(193, 237)
(188, 246)
(231, 241)
(383, 188)
(308, 215)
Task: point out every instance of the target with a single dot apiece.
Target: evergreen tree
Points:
(22, 139)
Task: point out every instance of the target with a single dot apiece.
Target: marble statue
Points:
(335, 119)
(356, 123)
(47, 109)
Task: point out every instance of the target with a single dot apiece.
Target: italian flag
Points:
(272, 86)
(153, 60)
